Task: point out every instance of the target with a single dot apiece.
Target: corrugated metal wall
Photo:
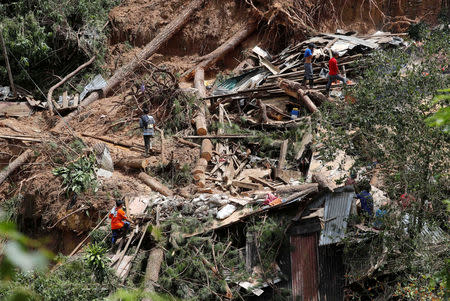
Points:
(332, 271)
(304, 267)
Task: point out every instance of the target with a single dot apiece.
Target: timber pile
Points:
(267, 92)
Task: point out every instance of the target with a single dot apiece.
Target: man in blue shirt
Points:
(147, 123)
(308, 65)
(365, 198)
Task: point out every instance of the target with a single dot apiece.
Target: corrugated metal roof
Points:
(337, 209)
(304, 267)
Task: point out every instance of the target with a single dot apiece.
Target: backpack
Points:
(145, 119)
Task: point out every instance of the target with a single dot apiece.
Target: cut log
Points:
(206, 150)
(123, 73)
(199, 82)
(155, 184)
(152, 271)
(200, 123)
(134, 163)
(211, 58)
(200, 167)
(19, 161)
(50, 102)
(201, 182)
(294, 89)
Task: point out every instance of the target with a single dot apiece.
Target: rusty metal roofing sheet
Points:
(337, 210)
(304, 267)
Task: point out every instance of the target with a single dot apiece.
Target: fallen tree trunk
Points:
(19, 161)
(164, 35)
(134, 163)
(211, 58)
(206, 150)
(199, 168)
(294, 89)
(152, 271)
(50, 102)
(155, 184)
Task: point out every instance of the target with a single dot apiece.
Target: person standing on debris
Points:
(119, 221)
(308, 65)
(365, 198)
(147, 123)
(333, 73)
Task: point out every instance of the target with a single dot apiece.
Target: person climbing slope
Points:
(119, 221)
(147, 124)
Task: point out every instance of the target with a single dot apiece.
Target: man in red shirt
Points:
(119, 221)
(333, 74)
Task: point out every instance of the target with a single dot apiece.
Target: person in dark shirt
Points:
(308, 65)
(365, 198)
(147, 123)
(334, 74)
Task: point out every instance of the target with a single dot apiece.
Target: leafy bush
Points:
(97, 261)
(78, 176)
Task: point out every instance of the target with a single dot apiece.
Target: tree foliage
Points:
(44, 37)
(388, 124)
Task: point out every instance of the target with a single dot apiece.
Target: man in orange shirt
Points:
(119, 221)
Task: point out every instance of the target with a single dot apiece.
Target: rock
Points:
(201, 209)
(103, 156)
(103, 173)
(226, 211)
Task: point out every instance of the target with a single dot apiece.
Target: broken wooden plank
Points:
(306, 139)
(14, 109)
(261, 181)
(246, 185)
(76, 98)
(65, 100)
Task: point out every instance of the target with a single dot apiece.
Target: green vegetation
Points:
(78, 176)
(46, 35)
(97, 261)
(388, 124)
